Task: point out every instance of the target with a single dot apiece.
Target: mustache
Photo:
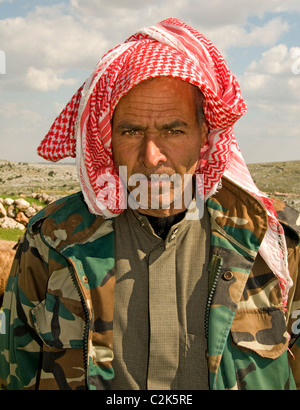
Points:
(155, 173)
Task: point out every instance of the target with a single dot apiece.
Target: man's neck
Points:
(162, 225)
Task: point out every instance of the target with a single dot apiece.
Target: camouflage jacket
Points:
(59, 302)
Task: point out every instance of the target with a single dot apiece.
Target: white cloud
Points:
(47, 79)
(226, 37)
(271, 78)
(211, 14)
(270, 130)
(267, 34)
(253, 81)
(277, 60)
(226, 25)
(45, 41)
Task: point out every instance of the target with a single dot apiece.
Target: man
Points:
(167, 293)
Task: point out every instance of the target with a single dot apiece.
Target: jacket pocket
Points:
(59, 322)
(261, 330)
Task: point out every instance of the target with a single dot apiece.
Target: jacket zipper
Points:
(86, 315)
(214, 268)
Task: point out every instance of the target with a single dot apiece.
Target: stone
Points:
(9, 223)
(22, 218)
(8, 201)
(21, 204)
(37, 207)
(11, 211)
(3, 212)
(44, 198)
(29, 212)
(21, 210)
(49, 200)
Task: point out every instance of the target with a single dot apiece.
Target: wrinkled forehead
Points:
(150, 59)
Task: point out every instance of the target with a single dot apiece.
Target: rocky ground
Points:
(24, 178)
(281, 179)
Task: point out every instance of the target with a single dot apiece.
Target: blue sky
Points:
(50, 48)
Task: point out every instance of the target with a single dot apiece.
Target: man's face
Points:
(156, 131)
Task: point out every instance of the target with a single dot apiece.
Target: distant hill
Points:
(281, 179)
(26, 178)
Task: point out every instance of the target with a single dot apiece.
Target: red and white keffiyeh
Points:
(170, 48)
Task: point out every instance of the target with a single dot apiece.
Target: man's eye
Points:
(175, 132)
(132, 133)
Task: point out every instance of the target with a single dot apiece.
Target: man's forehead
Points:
(170, 100)
(158, 89)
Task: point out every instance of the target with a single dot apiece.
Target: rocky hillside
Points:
(281, 179)
(23, 178)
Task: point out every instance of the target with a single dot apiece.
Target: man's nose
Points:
(151, 154)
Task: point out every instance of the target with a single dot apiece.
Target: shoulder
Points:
(234, 199)
(66, 221)
(61, 209)
(238, 210)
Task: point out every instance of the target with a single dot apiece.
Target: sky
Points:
(49, 48)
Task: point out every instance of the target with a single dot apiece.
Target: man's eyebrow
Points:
(174, 124)
(126, 125)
